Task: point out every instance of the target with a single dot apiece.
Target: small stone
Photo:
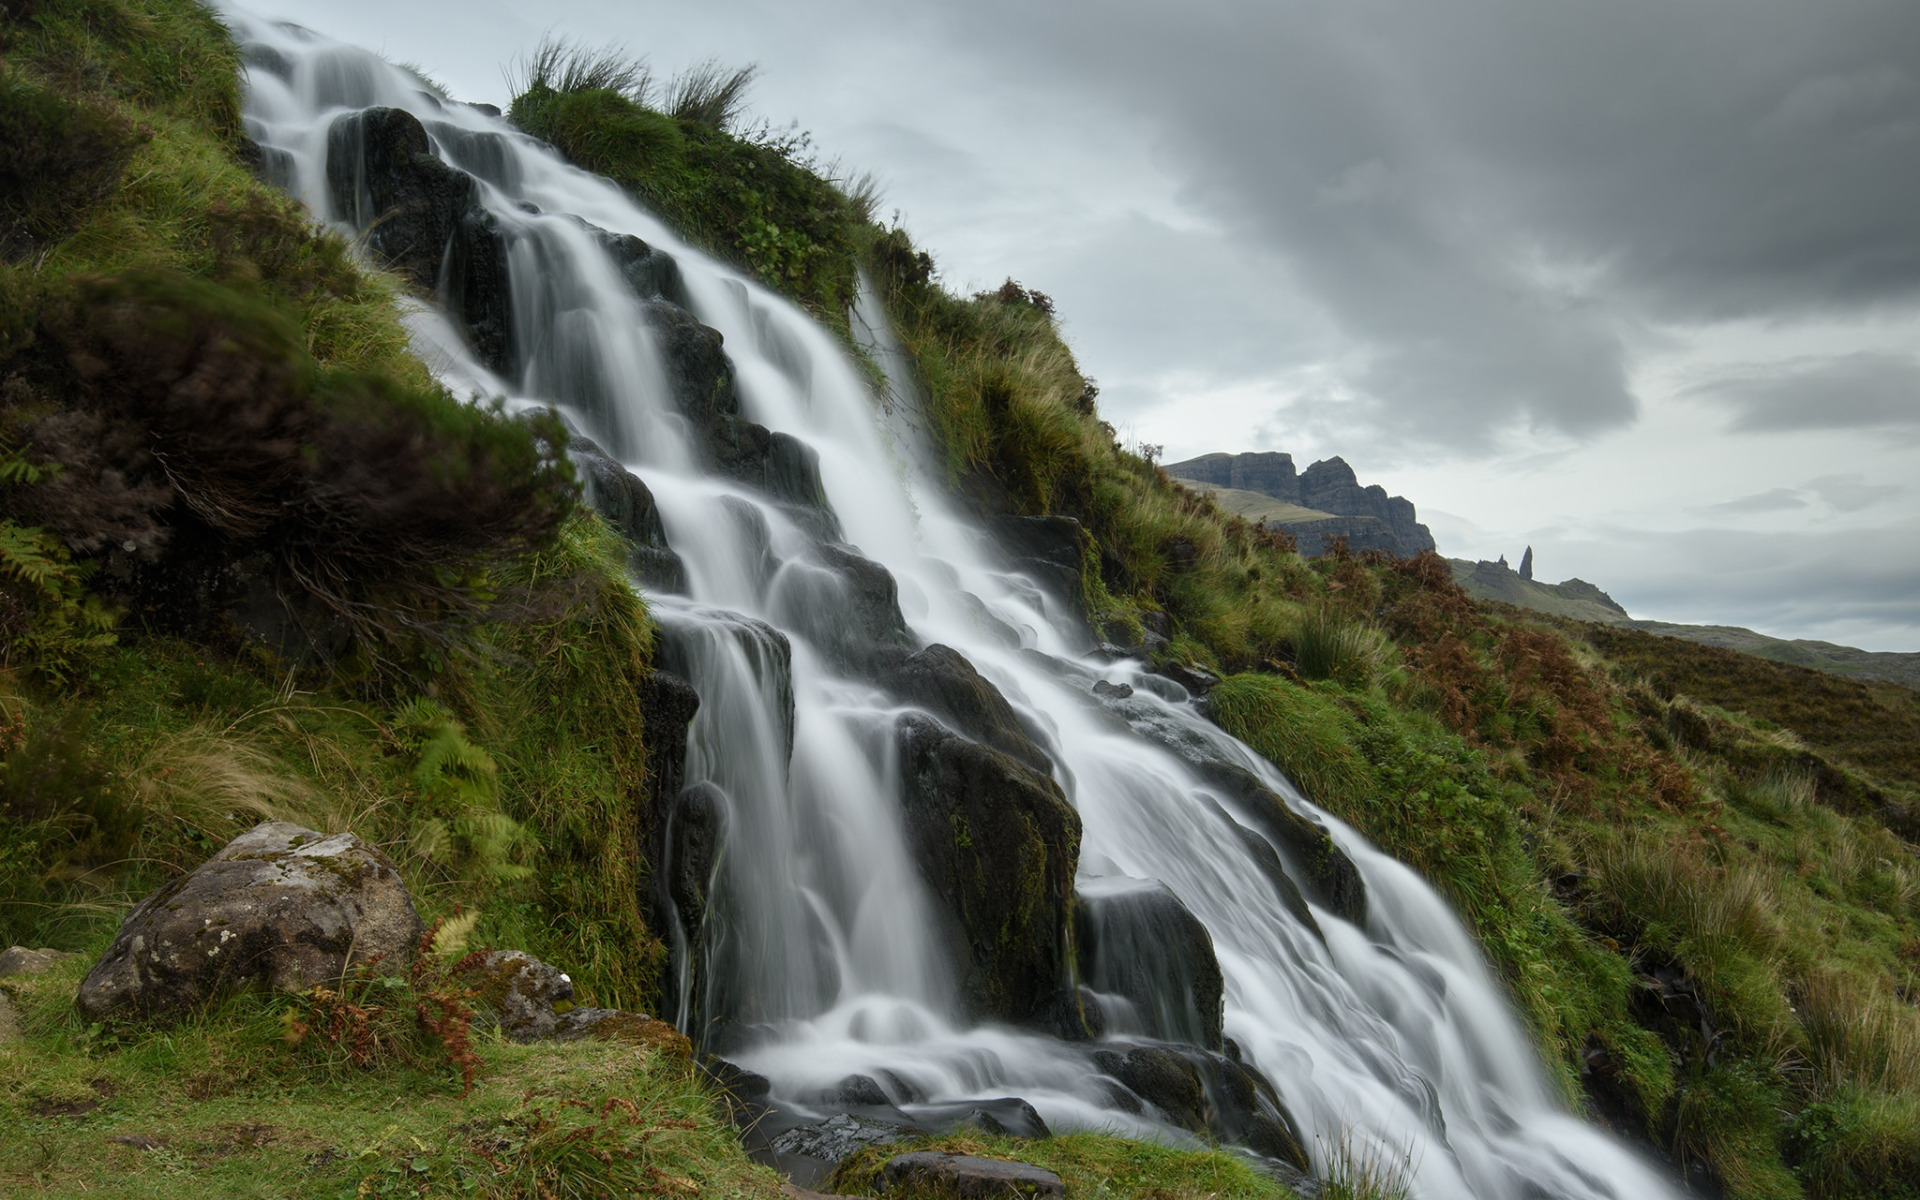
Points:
(967, 1177)
(139, 1141)
(18, 960)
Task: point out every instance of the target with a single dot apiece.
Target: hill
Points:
(1578, 600)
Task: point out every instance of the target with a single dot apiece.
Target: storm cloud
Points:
(1853, 391)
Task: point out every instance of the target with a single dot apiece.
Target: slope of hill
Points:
(1578, 600)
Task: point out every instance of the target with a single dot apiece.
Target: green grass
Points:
(1091, 1164)
(223, 1106)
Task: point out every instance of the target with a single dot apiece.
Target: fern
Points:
(62, 624)
(460, 826)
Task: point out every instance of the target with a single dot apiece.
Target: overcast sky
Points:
(1636, 283)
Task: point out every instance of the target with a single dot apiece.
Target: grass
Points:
(1090, 1164)
(222, 1105)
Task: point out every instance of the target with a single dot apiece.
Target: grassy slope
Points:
(1593, 820)
(1257, 507)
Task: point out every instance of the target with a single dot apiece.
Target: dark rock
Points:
(1138, 942)
(1275, 872)
(1327, 870)
(1050, 549)
(855, 1089)
(1191, 676)
(281, 907)
(1366, 517)
(1008, 1116)
(623, 499)
(651, 272)
(844, 603)
(423, 218)
(1112, 691)
(998, 844)
(965, 1177)
(940, 679)
(1074, 1014)
(809, 1153)
(1208, 1094)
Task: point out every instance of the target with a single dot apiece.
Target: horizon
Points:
(1637, 286)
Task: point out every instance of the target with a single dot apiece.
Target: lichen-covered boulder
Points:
(280, 907)
(997, 843)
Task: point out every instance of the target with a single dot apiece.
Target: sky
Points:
(1634, 283)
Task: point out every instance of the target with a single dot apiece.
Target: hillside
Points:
(1579, 600)
(255, 563)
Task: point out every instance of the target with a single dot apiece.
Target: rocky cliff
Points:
(1316, 505)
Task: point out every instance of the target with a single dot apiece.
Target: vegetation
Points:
(1090, 1164)
(755, 196)
(251, 1099)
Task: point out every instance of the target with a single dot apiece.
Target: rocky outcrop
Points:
(1150, 961)
(998, 844)
(280, 907)
(527, 1001)
(1366, 517)
(423, 218)
(625, 502)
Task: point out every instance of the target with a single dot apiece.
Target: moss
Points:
(1091, 1164)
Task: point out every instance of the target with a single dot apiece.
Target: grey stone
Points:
(19, 960)
(839, 1136)
(967, 1177)
(280, 907)
(518, 993)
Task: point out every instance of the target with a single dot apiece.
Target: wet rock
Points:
(966, 1177)
(997, 843)
(280, 907)
(1008, 1116)
(705, 391)
(846, 605)
(1275, 872)
(1112, 691)
(1137, 941)
(1331, 876)
(19, 960)
(1050, 549)
(650, 271)
(940, 679)
(623, 499)
(1191, 676)
(667, 705)
(809, 1153)
(1074, 1014)
(1208, 1094)
(423, 218)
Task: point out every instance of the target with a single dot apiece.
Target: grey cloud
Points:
(1494, 200)
(1852, 493)
(1854, 391)
(1777, 500)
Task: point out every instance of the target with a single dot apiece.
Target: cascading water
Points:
(811, 947)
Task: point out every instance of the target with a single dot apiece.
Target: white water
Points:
(1388, 1043)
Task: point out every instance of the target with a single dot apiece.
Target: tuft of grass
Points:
(1091, 1164)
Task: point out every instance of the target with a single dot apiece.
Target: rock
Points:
(1366, 516)
(1207, 1094)
(1112, 691)
(18, 960)
(1050, 549)
(966, 1177)
(1138, 943)
(1328, 872)
(845, 604)
(997, 843)
(1268, 473)
(424, 219)
(1191, 676)
(617, 1025)
(808, 1153)
(519, 994)
(280, 907)
(941, 679)
(623, 499)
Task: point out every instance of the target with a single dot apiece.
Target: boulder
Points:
(1329, 874)
(966, 1177)
(997, 843)
(1139, 944)
(845, 604)
(280, 907)
(424, 219)
(940, 679)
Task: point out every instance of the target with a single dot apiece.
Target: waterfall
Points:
(802, 558)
